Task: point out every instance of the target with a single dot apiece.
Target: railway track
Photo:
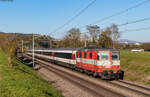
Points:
(97, 87)
(131, 85)
(73, 80)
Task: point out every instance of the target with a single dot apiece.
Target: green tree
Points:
(105, 40)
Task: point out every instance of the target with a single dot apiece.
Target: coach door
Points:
(73, 58)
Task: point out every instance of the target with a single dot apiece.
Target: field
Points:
(21, 81)
(136, 66)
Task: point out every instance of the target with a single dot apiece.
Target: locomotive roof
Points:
(98, 50)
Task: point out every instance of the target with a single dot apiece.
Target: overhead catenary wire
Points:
(136, 21)
(134, 30)
(123, 11)
(131, 22)
(113, 15)
(74, 17)
(116, 14)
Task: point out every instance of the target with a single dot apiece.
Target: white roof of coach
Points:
(60, 51)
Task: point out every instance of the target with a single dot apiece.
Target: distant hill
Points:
(127, 41)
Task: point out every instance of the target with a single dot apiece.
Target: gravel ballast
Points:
(64, 86)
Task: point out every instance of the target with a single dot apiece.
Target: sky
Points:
(44, 16)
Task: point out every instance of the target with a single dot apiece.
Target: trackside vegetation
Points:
(136, 66)
(21, 81)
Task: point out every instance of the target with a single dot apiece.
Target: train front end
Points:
(110, 65)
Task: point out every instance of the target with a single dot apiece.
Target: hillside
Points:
(136, 66)
(21, 81)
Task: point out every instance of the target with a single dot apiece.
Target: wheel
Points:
(81, 70)
(121, 74)
(95, 74)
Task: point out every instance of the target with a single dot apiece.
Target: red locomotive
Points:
(104, 63)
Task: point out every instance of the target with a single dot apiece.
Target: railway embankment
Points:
(21, 81)
(136, 66)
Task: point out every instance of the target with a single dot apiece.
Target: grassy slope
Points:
(136, 66)
(22, 81)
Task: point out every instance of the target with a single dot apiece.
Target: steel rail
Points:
(134, 86)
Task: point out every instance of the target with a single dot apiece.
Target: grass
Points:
(3, 58)
(136, 66)
(21, 81)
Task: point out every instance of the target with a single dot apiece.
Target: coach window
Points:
(70, 55)
(47, 53)
(50, 53)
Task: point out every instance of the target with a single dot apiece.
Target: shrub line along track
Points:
(94, 86)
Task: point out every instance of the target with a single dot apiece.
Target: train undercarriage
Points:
(111, 75)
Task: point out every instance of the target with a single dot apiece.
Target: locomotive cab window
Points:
(115, 57)
(97, 57)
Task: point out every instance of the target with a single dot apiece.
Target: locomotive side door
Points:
(95, 58)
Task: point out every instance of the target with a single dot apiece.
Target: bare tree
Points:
(72, 39)
(115, 34)
(110, 35)
(93, 31)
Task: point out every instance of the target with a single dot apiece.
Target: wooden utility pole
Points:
(22, 46)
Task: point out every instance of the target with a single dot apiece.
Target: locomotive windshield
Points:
(115, 56)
